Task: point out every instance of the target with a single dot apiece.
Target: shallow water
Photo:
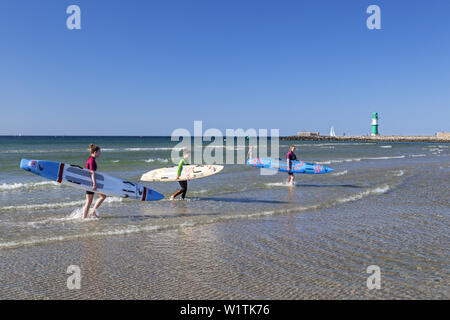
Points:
(239, 234)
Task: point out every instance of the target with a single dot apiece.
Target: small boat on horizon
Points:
(332, 133)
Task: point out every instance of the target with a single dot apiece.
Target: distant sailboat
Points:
(332, 133)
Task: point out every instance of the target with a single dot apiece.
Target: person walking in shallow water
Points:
(91, 164)
(183, 184)
(290, 157)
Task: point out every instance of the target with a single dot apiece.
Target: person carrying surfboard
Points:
(290, 157)
(91, 164)
(183, 184)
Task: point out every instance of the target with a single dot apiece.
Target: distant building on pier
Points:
(307, 134)
(443, 135)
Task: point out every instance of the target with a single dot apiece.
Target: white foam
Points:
(418, 155)
(278, 184)
(43, 151)
(113, 199)
(385, 147)
(338, 161)
(399, 173)
(44, 205)
(187, 224)
(138, 149)
(110, 232)
(26, 185)
(385, 158)
(359, 159)
(157, 159)
(75, 215)
(341, 173)
(334, 144)
(358, 196)
(55, 205)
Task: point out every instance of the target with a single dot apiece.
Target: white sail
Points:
(332, 133)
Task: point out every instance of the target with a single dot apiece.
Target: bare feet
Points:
(93, 214)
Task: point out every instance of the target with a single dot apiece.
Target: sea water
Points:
(384, 203)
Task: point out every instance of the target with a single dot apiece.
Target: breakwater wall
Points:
(440, 139)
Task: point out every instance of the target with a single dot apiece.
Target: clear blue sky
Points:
(148, 67)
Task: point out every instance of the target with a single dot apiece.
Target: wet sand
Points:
(311, 255)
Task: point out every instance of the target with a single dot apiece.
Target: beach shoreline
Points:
(279, 257)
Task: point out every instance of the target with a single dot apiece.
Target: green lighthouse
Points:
(375, 124)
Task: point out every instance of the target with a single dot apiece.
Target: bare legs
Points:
(89, 198)
(97, 204)
(290, 179)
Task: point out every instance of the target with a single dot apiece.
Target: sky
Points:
(149, 67)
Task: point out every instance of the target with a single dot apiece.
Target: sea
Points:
(239, 234)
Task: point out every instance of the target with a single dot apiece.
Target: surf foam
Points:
(33, 207)
(360, 195)
(156, 160)
(26, 185)
(341, 173)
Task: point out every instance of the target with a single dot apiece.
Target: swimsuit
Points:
(91, 164)
(291, 156)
